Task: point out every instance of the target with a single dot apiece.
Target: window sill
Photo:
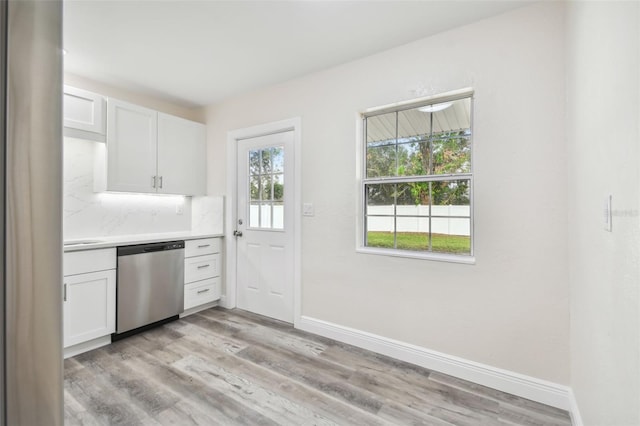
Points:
(440, 257)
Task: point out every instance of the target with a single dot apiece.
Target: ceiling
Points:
(197, 53)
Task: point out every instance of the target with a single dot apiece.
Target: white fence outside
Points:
(265, 216)
(457, 221)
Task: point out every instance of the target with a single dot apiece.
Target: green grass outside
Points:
(419, 241)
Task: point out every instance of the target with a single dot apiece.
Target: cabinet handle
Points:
(204, 245)
(203, 291)
(153, 181)
(160, 186)
(65, 292)
(203, 266)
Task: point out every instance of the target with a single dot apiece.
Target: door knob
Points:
(237, 233)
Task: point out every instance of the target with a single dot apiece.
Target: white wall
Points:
(603, 110)
(510, 309)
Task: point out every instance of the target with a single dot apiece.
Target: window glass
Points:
(266, 188)
(418, 178)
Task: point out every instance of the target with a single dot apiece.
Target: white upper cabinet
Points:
(84, 114)
(131, 148)
(181, 153)
(150, 152)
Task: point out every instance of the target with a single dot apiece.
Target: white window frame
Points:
(361, 151)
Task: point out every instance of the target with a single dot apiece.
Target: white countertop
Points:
(125, 240)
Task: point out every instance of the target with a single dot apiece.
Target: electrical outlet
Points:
(179, 209)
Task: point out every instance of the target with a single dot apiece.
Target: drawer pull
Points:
(203, 266)
(204, 245)
(203, 291)
(65, 292)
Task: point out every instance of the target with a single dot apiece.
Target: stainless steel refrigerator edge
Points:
(32, 208)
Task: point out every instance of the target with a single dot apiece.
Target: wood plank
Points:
(297, 392)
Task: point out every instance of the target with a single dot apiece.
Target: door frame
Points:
(229, 299)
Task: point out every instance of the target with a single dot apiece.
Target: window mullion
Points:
(395, 194)
(365, 200)
(395, 216)
(430, 228)
(430, 172)
(414, 179)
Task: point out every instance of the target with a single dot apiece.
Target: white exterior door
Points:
(265, 225)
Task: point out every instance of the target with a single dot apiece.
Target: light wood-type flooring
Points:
(230, 367)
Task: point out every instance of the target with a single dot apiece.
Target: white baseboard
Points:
(507, 381)
(224, 302)
(576, 418)
(199, 308)
(87, 346)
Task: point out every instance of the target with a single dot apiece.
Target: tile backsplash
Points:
(91, 214)
(207, 215)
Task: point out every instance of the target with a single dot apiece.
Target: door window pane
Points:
(278, 186)
(266, 188)
(265, 216)
(278, 215)
(254, 215)
(277, 159)
(254, 188)
(254, 162)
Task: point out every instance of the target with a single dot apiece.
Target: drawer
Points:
(80, 262)
(201, 267)
(201, 247)
(201, 292)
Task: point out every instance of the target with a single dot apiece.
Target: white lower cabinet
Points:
(90, 306)
(201, 292)
(201, 267)
(202, 278)
(89, 296)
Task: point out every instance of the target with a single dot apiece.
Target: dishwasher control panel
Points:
(174, 246)
(149, 248)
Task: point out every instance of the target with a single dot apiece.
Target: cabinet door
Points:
(131, 147)
(89, 306)
(181, 156)
(83, 110)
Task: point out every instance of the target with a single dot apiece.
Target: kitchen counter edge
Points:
(126, 240)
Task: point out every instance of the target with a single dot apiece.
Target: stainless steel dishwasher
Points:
(150, 286)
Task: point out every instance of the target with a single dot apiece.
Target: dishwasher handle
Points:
(156, 248)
